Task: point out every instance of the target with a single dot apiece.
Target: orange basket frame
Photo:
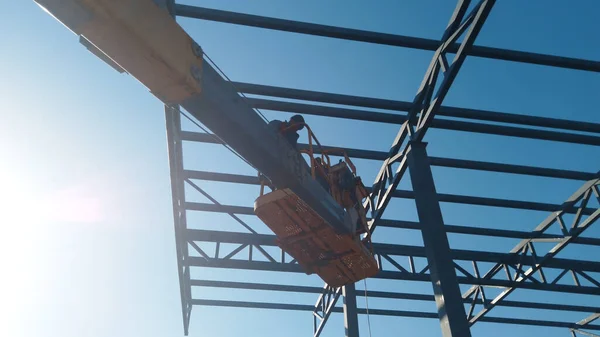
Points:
(325, 158)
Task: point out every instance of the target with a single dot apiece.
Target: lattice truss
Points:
(514, 270)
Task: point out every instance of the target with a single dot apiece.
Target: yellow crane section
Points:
(141, 38)
(316, 212)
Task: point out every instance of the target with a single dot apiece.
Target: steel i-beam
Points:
(379, 38)
(173, 127)
(448, 298)
(176, 168)
(350, 313)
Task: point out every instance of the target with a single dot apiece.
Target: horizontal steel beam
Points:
(513, 169)
(438, 123)
(404, 194)
(491, 232)
(435, 161)
(379, 38)
(382, 294)
(394, 105)
(388, 275)
(381, 312)
(399, 250)
(252, 180)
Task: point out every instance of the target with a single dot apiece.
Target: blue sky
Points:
(87, 235)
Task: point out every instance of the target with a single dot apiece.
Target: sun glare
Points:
(26, 208)
(17, 201)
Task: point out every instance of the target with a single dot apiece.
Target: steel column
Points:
(175, 151)
(350, 312)
(448, 298)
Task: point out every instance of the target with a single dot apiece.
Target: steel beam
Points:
(392, 105)
(379, 38)
(512, 169)
(398, 250)
(401, 224)
(404, 194)
(435, 161)
(289, 267)
(382, 294)
(382, 312)
(391, 254)
(439, 123)
(490, 232)
(447, 162)
(482, 201)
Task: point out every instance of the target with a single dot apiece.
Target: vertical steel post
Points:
(175, 149)
(452, 315)
(350, 312)
(173, 126)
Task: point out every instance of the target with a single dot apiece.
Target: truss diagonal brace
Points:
(386, 181)
(583, 195)
(425, 104)
(324, 307)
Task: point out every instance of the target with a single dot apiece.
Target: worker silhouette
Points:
(289, 129)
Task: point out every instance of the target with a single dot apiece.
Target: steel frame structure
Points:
(443, 267)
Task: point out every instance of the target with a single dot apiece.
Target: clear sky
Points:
(87, 243)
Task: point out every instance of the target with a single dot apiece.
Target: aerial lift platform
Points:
(141, 38)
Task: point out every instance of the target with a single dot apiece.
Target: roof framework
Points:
(470, 282)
